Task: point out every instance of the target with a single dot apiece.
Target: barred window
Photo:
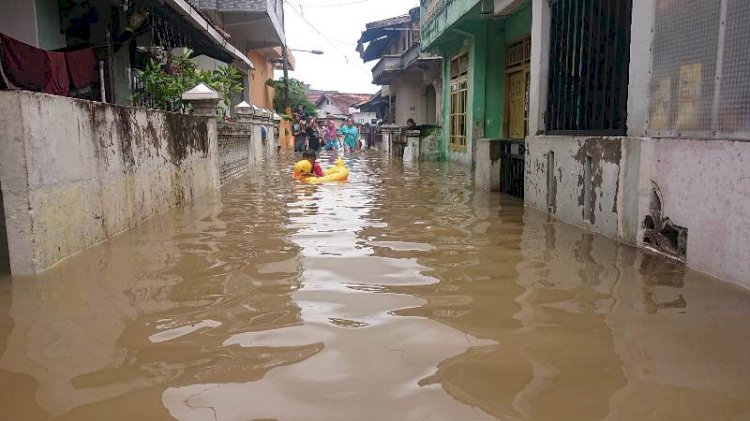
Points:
(589, 64)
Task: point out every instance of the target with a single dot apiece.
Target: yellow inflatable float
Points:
(303, 172)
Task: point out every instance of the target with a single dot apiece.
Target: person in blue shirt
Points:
(351, 135)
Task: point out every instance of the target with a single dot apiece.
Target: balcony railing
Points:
(387, 67)
(390, 66)
(257, 23)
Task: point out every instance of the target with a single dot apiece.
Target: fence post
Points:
(245, 118)
(204, 101)
(412, 141)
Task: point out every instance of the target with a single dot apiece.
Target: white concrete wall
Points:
(567, 187)
(411, 98)
(704, 183)
(705, 186)
(364, 117)
(327, 108)
(18, 20)
(74, 173)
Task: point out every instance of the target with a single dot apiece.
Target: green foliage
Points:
(296, 95)
(166, 78)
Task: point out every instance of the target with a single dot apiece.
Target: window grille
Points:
(589, 65)
(518, 54)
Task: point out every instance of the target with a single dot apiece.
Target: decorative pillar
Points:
(412, 142)
(244, 112)
(205, 101)
(438, 85)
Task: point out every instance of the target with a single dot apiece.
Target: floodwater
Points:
(401, 295)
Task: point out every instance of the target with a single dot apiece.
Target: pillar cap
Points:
(243, 108)
(201, 92)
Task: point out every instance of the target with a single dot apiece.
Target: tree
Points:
(296, 95)
(167, 76)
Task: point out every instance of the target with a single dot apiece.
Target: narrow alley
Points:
(403, 294)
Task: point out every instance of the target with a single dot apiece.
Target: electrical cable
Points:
(326, 38)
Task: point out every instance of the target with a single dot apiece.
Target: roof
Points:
(197, 19)
(342, 101)
(379, 34)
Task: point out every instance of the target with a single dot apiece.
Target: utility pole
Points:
(285, 64)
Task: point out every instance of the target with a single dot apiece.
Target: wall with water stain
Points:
(608, 185)
(75, 173)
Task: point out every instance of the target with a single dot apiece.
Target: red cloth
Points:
(58, 82)
(82, 67)
(318, 170)
(25, 66)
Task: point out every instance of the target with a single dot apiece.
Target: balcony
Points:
(387, 68)
(253, 24)
(390, 67)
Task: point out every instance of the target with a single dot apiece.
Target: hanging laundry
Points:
(25, 66)
(82, 67)
(58, 81)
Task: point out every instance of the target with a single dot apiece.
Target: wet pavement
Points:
(401, 295)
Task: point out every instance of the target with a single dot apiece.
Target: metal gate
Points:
(512, 167)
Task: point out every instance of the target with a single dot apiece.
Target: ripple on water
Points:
(399, 295)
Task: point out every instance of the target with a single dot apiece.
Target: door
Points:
(517, 105)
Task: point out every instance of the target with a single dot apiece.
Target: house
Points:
(336, 105)
(409, 76)
(259, 26)
(123, 34)
(485, 48)
(639, 125)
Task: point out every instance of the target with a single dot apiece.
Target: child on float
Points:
(311, 156)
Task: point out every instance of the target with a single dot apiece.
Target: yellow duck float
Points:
(303, 172)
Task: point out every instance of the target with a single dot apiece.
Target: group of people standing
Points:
(309, 135)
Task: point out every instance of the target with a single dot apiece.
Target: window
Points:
(459, 69)
(700, 85)
(589, 63)
(517, 59)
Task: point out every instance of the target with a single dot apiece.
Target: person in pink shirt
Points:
(330, 136)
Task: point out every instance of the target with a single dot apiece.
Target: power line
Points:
(328, 39)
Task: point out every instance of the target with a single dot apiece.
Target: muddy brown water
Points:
(401, 295)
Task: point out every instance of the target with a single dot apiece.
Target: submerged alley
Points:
(440, 210)
(401, 295)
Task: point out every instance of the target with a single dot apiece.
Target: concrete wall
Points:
(48, 25)
(4, 256)
(18, 20)
(261, 94)
(74, 173)
(705, 187)
(411, 98)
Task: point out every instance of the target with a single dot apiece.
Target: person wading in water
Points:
(351, 135)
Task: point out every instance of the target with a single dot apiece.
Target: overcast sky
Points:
(341, 23)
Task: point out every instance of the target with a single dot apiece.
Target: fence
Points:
(234, 150)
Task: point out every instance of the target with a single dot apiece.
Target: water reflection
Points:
(400, 295)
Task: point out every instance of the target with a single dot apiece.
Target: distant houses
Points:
(337, 106)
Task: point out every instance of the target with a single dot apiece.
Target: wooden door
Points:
(517, 105)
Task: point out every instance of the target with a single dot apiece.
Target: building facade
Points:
(640, 125)
(409, 76)
(485, 72)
